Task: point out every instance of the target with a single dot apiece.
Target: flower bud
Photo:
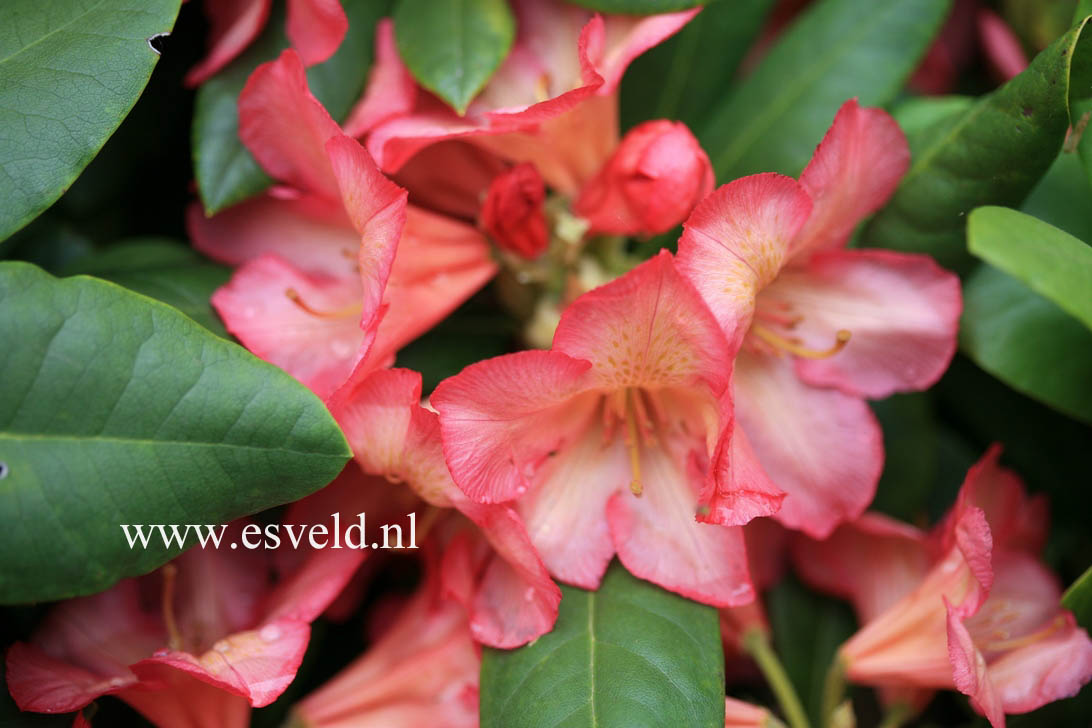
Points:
(513, 214)
(651, 183)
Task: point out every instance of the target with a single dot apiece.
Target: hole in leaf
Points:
(158, 42)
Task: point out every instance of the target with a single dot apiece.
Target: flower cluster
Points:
(664, 412)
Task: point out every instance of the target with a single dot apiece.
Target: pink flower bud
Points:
(655, 178)
(512, 213)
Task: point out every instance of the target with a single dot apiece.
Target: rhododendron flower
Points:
(652, 182)
(422, 671)
(320, 286)
(198, 642)
(820, 326)
(738, 714)
(985, 618)
(512, 213)
(605, 441)
(315, 28)
(552, 102)
(514, 601)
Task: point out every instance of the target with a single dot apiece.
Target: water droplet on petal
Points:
(529, 595)
(222, 646)
(161, 652)
(270, 632)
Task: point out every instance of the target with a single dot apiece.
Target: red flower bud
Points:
(651, 183)
(512, 213)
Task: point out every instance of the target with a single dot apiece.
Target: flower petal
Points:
(316, 28)
(500, 418)
(901, 310)
(736, 241)
(658, 538)
(739, 490)
(317, 342)
(855, 169)
(969, 671)
(285, 127)
(233, 25)
(649, 328)
(822, 447)
(1044, 671)
(181, 701)
(390, 91)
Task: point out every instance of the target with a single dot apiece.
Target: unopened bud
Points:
(651, 184)
(513, 214)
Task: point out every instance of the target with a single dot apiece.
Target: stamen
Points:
(295, 298)
(174, 637)
(542, 88)
(1050, 628)
(794, 346)
(632, 446)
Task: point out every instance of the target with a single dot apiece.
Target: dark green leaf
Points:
(917, 113)
(164, 270)
(682, 76)
(641, 7)
(993, 153)
(70, 72)
(1062, 197)
(1078, 599)
(1027, 341)
(117, 409)
(630, 654)
(807, 630)
(910, 455)
(226, 172)
(452, 47)
(1053, 263)
(837, 50)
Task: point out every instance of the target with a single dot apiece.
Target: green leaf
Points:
(225, 170)
(1078, 599)
(1062, 197)
(117, 409)
(837, 50)
(629, 654)
(917, 113)
(991, 154)
(678, 78)
(70, 72)
(642, 7)
(1027, 341)
(1053, 263)
(167, 271)
(911, 455)
(807, 631)
(452, 47)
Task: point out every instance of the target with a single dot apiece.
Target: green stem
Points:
(834, 690)
(758, 647)
(896, 715)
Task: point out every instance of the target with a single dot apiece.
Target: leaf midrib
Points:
(138, 441)
(58, 29)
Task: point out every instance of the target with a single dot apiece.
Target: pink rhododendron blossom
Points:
(984, 617)
(552, 102)
(315, 28)
(198, 642)
(512, 213)
(820, 326)
(319, 289)
(514, 601)
(606, 441)
(738, 714)
(422, 671)
(652, 182)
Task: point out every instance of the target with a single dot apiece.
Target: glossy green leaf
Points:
(992, 153)
(1078, 599)
(1062, 197)
(452, 47)
(629, 654)
(117, 409)
(1027, 341)
(167, 271)
(837, 50)
(679, 78)
(917, 113)
(70, 71)
(225, 170)
(642, 7)
(1053, 263)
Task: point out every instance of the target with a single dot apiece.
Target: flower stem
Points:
(896, 715)
(834, 689)
(758, 647)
